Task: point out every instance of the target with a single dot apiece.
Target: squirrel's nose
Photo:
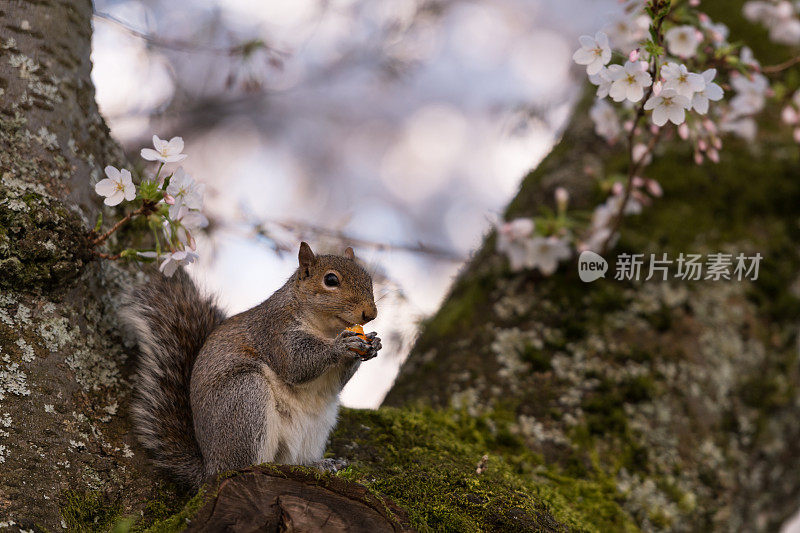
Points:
(369, 314)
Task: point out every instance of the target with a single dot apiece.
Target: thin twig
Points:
(106, 256)
(774, 69)
(145, 209)
(183, 46)
(341, 236)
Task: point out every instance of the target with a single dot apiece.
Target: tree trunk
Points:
(63, 386)
(686, 393)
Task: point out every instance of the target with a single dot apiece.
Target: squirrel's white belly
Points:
(300, 419)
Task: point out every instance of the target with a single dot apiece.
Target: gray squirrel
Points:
(215, 394)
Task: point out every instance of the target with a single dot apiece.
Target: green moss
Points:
(166, 512)
(425, 460)
(42, 244)
(179, 520)
(91, 511)
(460, 309)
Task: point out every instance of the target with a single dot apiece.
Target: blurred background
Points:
(401, 127)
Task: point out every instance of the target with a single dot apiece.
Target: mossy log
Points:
(685, 394)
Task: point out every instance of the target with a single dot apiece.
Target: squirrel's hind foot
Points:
(330, 465)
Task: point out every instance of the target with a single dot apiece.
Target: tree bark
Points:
(63, 368)
(686, 393)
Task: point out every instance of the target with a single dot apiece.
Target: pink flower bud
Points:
(169, 199)
(562, 198)
(702, 16)
(657, 87)
(654, 129)
(713, 155)
(709, 125)
(694, 3)
(702, 145)
(634, 55)
(628, 125)
(717, 143)
(654, 188)
(797, 135)
(683, 131)
(637, 181)
(698, 158)
(617, 188)
(789, 115)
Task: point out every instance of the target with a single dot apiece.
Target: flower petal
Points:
(114, 199)
(150, 155)
(105, 187)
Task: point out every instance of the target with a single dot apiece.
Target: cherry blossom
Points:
(603, 81)
(779, 17)
(116, 187)
(606, 121)
(594, 52)
(669, 105)
(751, 94)
(185, 191)
(627, 33)
(512, 240)
(678, 78)
(682, 41)
(186, 222)
(711, 91)
(165, 151)
(175, 259)
(628, 82)
(546, 252)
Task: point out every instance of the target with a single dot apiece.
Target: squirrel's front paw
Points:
(374, 346)
(365, 347)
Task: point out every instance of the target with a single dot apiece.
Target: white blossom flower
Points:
(678, 78)
(175, 259)
(719, 32)
(751, 94)
(682, 41)
(512, 240)
(594, 52)
(546, 252)
(668, 105)
(757, 11)
(186, 222)
(606, 121)
(603, 81)
(186, 191)
(116, 187)
(626, 33)
(711, 91)
(165, 151)
(779, 17)
(628, 82)
(747, 57)
(743, 127)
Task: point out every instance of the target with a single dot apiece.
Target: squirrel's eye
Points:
(331, 280)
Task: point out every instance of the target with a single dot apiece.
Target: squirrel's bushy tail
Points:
(171, 320)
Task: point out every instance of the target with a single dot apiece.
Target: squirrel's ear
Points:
(306, 258)
(348, 253)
